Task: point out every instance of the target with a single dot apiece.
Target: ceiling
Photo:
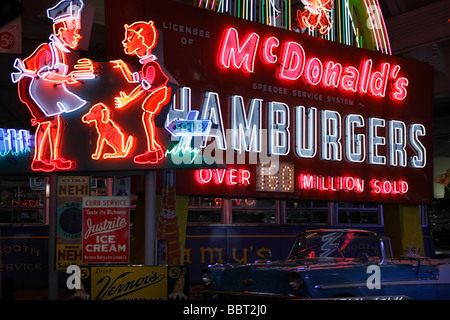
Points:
(418, 30)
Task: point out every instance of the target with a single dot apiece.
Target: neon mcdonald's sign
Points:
(293, 64)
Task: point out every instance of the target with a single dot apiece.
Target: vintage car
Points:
(332, 263)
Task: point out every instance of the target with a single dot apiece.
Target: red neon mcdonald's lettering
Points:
(234, 55)
(313, 71)
(292, 64)
(398, 86)
(293, 61)
(332, 74)
(365, 69)
(378, 81)
(267, 53)
(350, 79)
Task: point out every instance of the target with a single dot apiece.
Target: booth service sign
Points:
(289, 115)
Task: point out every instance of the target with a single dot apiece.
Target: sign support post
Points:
(52, 273)
(150, 217)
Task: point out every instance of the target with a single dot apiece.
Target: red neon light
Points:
(109, 133)
(365, 69)
(316, 15)
(349, 238)
(47, 146)
(350, 79)
(399, 87)
(292, 63)
(388, 186)
(332, 74)
(140, 39)
(267, 53)
(230, 177)
(313, 71)
(329, 183)
(234, 55)
(379, 81)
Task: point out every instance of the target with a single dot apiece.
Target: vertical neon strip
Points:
(385, 33)
(380, 44)
(355, 30)
(238, 9)
(347, 23)
(263, 14)
(380, 30)
(344, 31)
(340, 23)
(290, 15)
(367, 3)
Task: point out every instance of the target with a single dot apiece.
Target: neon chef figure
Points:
(140, 39)
(43, 80)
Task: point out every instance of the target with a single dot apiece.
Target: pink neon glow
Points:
(293, 61)
(230, 177)
(236, 56)
(329, 183)
(378, 81)
(332, 74)
(268, 46)
(292, 64)
(388, 186)
(313, 71)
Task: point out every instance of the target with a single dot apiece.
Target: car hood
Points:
(293, 265)
(269, 277)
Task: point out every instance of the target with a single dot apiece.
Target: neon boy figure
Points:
(151, 84)
(43, 80)
(316, 15)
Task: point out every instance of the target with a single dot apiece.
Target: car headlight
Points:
(295, 281)
(207, 278)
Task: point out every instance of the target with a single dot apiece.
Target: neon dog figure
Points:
(151, 84)
(109, 133)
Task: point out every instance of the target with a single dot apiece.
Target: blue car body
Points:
(332, 264)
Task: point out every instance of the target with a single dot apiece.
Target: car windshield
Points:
(337, 244)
